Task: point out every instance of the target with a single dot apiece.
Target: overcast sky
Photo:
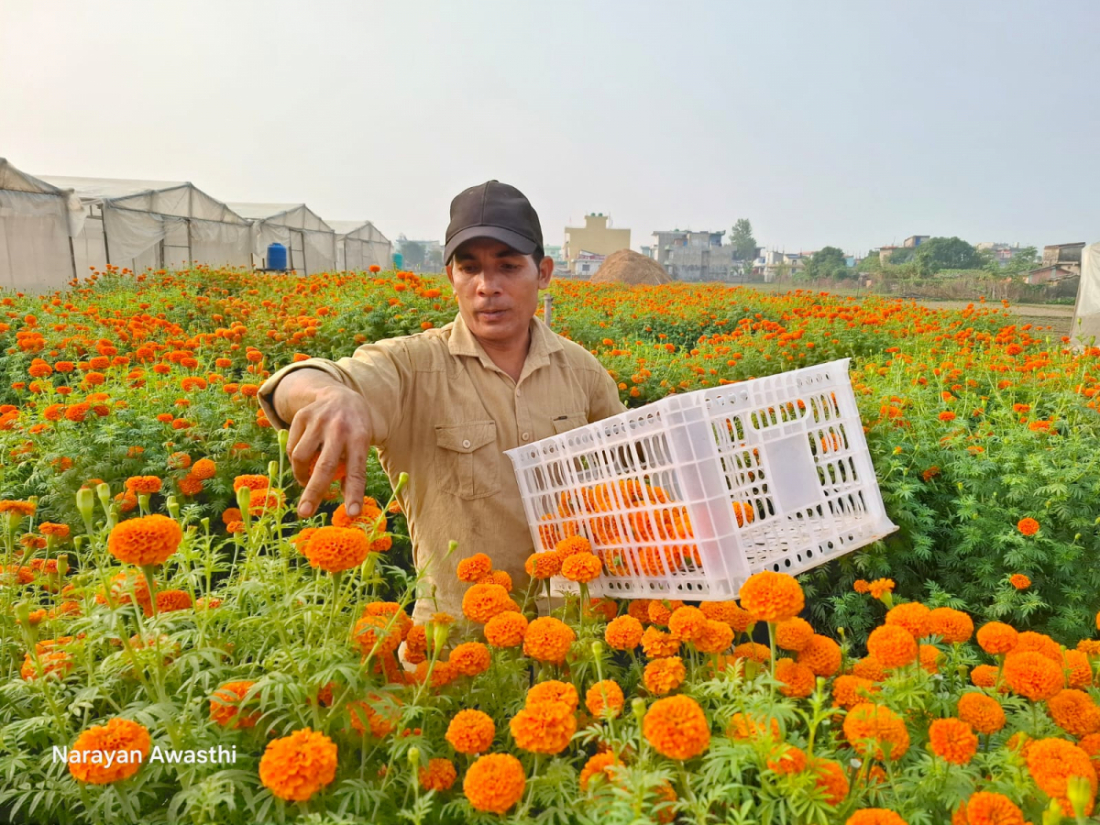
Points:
(854, 124)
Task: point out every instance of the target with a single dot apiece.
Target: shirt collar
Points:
(543, 342)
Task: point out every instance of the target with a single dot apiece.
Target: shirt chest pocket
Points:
(468, 458)
(569, 421)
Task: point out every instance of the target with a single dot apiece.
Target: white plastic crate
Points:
(688, 496)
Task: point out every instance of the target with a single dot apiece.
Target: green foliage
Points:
(946, 253)
(827, 262)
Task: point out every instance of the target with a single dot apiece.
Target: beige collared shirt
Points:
(450, 414)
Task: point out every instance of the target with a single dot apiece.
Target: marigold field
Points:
(158, 593)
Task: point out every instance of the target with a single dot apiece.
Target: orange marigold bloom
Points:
(929, 657)
(953, 626)
(687, 623)
(663, 676)
(1078, 670)
(145, 540)
(482, 602)
(21, 508)
(49, 528)
(225, 706)
(1019, 581)
(830, 777)
(204, 469)
(875, 816)
(821, 655)
(376, 635)
(506, 629)
(893, 646)
(985, 676)
(623, 633)
(1075, 712)
(1039, 643)
(982, 712)
(169, 601)
(881, 726)
(676, 727)
(118, 736)
(143, 484)
(334, 549)
(548, 640)
(861, 586)
(729, 612)
(989, 808)
(602, 764)
(753, 652)
(252, 482)
(552, 690)
(572, 544)
(996, 637)
(605, 699)
(772, 597)
(471, 731)
(1032, 675)
(379, 715)
(544, 727)
(1028, 526)
(742, 727)
(793, 634)
(581, 567)
(715, 637)
(849, 691)
(494, 783)
(56, 663)
(297, 766)
(798, 680)
(438, 775)
(470, 658)
(953, 739)
(639, 609)
(1052, 762)
(913, 616)
(542, 566)
(474, 568)
(656, 643)
(660, 611)
(880, 587)
(189, 485)
(791, 760)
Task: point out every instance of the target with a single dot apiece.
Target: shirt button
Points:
(527, 436)
(466, 443)
(519, 393)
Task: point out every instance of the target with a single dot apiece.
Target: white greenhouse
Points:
(37, 223)
(136, 225)
(1086, 312)
(310, 242)
(359, 245)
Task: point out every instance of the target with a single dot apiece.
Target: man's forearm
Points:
(299, 389)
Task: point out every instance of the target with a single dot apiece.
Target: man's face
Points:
(497, 289)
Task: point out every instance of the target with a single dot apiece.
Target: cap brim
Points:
(522, 245)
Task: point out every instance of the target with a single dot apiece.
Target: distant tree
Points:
(946, 253)
(827, 262)
(902, 255)
(1023, 261)
(411, 251)
(744, 244)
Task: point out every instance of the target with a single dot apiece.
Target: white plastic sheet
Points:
(310, 242)
(1086, 312)
(359, 245)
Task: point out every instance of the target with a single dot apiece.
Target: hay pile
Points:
(629, 267)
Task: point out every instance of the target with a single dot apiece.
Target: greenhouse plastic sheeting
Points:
(359, 245)
(1086, 313)
(310, 242)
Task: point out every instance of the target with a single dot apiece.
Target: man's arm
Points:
(603, 398)
(299, 389)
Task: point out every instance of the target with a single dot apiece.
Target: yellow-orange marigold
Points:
(874, 816)
(849, 691)
(438, 775)
(548, 640)
(880, 726)
(1052, 762)
(225, 706)
(821, 655)
(482, 602)
(953, 740)
(676, 727)
(687, 623)
(981, 712)
(494, 783)
(542, 566)
(913, 616)
(474, 568)
(798, 680)
(1032, 675)
(552, 690)
(664, 675)
(996, 637)
(1028, 526)
(715, 637)
(544, 727)
(581, 567)
(830, 777)
(605, 699)
(602, 764)
(506, 629)
(470, 658)
(114, 742)
(772, 597)
(656, 643)
(297, 766)
(790, 760)
(146, 540)
(892, 645)
(623, 633)
(989, 808)
(471, 731)
(953, 626)
(793, 634)
(1075, 712)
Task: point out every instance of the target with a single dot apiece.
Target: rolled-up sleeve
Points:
(381, 372)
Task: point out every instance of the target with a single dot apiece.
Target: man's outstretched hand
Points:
(335, 426)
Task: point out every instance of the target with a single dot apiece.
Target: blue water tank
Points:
(276, 256)
(398, 260)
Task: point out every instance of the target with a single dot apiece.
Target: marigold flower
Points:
(474, 568)
(623, 633)
(335, 549)
(297, 766)
(548, 640)
(861, 586)
(497, 577)
(798, 680)
(376, 635)
(793, 634)
(656, 643)
(119, 737)
(1078, 670)
(1032, 675)
(639, 609)
(729, 612)
(441, 673)
(54, 663)
(715, 637)
(49, 528)
(664, 675)
(471, 731)
(989, 808)
(772, 597)
(753, 652)
(981, 712)
(953, 740)
(849, 691)
(821, 655)
(506, 629)
(542, 566)
(830, 777)
(438, 775)
(225, 706)
(875, 816)
(146, 540)
(1028, 526)
(880, 587)
(791, 760)
(985, 676)
(996, 638)
(676, 727)
(605, 699)
(482, 602)
(581, 567)
(1052, 762)
(169, 601)
(494, 783)
(742, 727)
(913, 616)
(660, 611)
(572, 544)
(687, 623)
(470, 658)
(252, 482)
(544, 727)
(1075, 712)
(379, 715)
(552, 690)
(143, 484)
(953, 626)
(881, 726)
(1039, 643)
(893, 646)
(602, 764)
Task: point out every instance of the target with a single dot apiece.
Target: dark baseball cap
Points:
(493, 210)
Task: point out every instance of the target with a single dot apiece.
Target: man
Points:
(445, 404)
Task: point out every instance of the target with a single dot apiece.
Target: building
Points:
(1050, 274)
(693, 256)
(1002, 253)
(772, 265)
(596, 237)
(587, 264)
(913, 241)
(884, 253)
(1067, 255)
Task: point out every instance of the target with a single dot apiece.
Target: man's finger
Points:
(308, 446)
(319, 482)
(297, 430)
(355, 477)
